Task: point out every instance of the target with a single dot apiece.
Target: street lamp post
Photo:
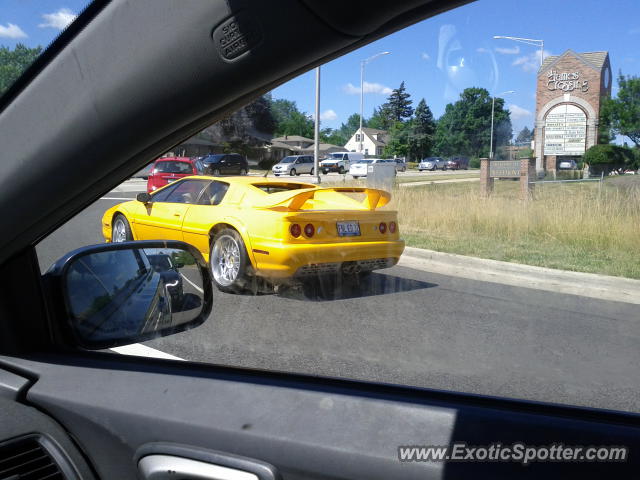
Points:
(528, 41)
(493, 107)
(362, 64)
(316, 130)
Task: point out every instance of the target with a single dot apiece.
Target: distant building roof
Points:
(276, 144)
(593, 59)
(373, 131)
(292, 138)
(324, 147)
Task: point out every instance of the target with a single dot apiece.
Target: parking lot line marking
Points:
(117, 198)
(139, 350)
(192, 284)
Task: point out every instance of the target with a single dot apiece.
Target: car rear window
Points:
(173, 166)
(280, 187)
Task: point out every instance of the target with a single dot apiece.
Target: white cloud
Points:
(59, 20)
(518, 113)
(12, 31)
(482, 50)
(530, 62)
(368, 88)
(509, 51)
(328, 115)
(424, 56)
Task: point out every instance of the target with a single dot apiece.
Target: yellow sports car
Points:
(257, 227)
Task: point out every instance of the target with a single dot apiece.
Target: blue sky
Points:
(436, 58)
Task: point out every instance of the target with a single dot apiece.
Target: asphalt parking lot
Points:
(411, 326)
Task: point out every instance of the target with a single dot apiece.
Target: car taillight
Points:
(392, 227)
(309, 230)
(382, 227)
(295, 230)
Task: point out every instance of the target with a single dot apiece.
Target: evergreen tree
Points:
(398, 107)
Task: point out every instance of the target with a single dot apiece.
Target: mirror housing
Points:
(143, 197)
(104, 296)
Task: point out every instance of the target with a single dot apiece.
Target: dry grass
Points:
(570, 226)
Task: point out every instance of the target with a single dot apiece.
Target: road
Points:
(415, 327)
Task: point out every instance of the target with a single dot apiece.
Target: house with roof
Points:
(570, 89)
(369, 141)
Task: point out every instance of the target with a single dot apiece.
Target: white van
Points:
(339, 161)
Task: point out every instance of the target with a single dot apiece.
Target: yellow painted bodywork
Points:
(263, 221)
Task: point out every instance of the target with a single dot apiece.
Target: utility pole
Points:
(316, 130)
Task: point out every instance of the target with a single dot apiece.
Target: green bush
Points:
(606, 158)
(474, 163)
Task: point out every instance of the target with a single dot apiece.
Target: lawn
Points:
(581, 226)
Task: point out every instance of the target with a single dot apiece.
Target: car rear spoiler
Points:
(295, 199)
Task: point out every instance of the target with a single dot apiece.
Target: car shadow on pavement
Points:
(327, 289)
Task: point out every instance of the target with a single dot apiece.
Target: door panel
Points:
(161, 221)
(305, 427)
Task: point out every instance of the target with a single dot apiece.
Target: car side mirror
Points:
(104, 296)
(143, 197)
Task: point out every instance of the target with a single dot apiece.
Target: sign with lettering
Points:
(504, 168)
(566, 81)
(565, 131)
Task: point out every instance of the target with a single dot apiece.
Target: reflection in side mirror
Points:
(143, 197)
(116, 294)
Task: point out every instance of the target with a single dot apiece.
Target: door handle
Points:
(176, 214)
(165, 467)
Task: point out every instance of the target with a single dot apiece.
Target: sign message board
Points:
(565, 131)
(504, 169)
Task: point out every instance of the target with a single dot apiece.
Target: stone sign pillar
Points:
(528, 174)
(486, 181)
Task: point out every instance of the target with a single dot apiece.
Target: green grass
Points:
(580, 227)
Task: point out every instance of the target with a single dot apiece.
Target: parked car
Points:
(294, 165)
(401, 165)
(457, 163)
(169, 169)
(225, 164)
(432, 163)
(567, 165)
(360, 168)
(340, 161)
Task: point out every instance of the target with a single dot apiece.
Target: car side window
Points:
(213, 193)
(161, 196)
(186, 191)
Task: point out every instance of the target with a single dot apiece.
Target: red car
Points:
(169, 169)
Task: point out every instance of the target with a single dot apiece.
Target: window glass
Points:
(466, 307)
(213, 193)
(173, 167)
(186, 191)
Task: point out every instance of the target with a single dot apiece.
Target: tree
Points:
(289, 120)
(623, 112)
(465, 126)
(524, 136)
(379, 120)
(398, 106)
(14, 62)
(606, 158)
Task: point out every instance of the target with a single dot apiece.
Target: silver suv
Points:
(432, 163)
(294, 165)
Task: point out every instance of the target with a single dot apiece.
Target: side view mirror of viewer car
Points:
(115, 294)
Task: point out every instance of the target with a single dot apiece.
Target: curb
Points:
(590, 285)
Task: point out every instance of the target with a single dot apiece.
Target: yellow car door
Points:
(163, 217)
(201, 216)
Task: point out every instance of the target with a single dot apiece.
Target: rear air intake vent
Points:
(27, 459)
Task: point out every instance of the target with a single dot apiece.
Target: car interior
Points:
(68, 412)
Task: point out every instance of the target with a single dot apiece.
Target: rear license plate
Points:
(348, 229)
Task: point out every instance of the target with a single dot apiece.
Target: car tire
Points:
(355, 177)
(324, 172)
(243, 171)
(293, 172)
(311, 172)
(229, 262)
(216, 172)
(341, 170)
(120, 229)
